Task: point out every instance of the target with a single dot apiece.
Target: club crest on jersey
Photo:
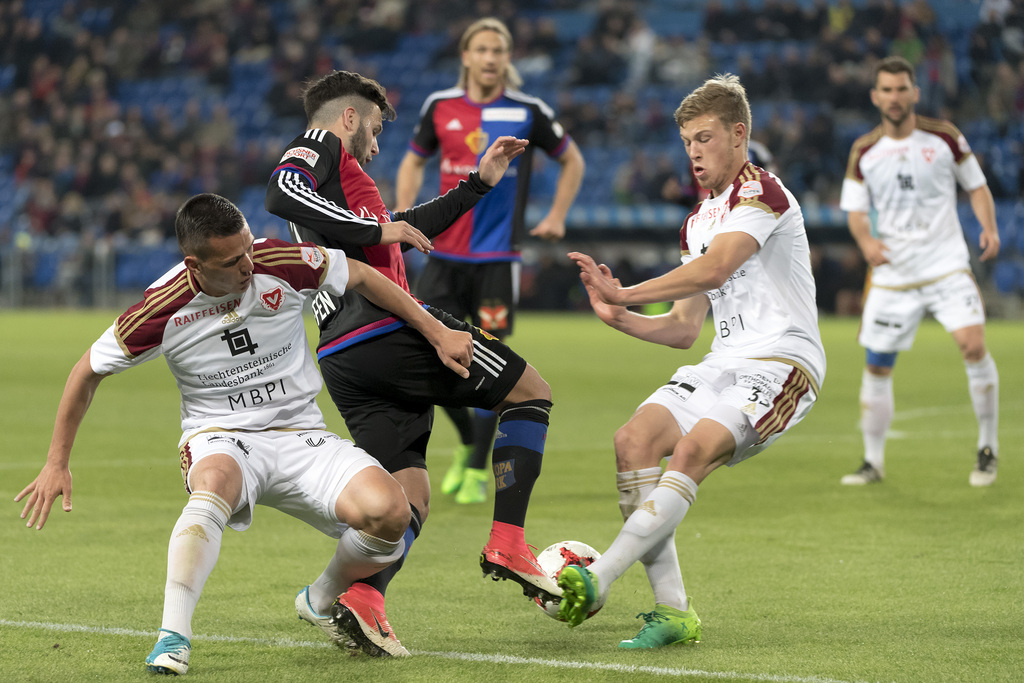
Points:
(304, 153)
(477, 141)
(273, 299)
(751, 188)
(312, 256)
(928, 153)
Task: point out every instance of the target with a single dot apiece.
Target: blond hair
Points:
(511, 77)
(724, 96)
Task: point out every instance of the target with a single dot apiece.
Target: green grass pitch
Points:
(796, 578)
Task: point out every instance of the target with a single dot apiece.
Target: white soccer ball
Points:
(555, 558)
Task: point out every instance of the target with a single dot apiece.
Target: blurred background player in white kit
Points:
(907, 169)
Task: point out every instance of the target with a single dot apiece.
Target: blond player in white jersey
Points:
(229, 323)
(907, 169)
(745, 256)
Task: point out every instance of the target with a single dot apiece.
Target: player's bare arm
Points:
(55, 478)
(712, 270)
(984, 208)
(498, 156)
(552, 226)
(454, 348)
(678, 329)
(404, 232)
(409, 180)
(873, 249)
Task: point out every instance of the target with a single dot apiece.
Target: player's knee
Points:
(632, 448)
(377, 505)
(218, 474)
(387, 517)
(530, 387)
(972, 350)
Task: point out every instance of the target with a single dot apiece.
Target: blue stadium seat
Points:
(1006, 276)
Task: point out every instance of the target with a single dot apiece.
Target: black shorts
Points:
(484, 293)
(386, 388)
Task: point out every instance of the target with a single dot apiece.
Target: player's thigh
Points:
(890, 319)
(764, 401)
(447, 285)
(374, 501)
(313, 469)
(495, 297)
(687, 395)
(956, 302)
(494, 374)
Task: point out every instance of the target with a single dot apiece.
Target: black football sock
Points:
(484, 424)
(518, 451)
(462, 418)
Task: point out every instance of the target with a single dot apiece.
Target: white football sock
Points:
(358, 555)
(876, 409)
(191, 556)
(983, 383)
(653, 522)
(662, 562)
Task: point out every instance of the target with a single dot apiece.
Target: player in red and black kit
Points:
(473, 272)
(383, 376)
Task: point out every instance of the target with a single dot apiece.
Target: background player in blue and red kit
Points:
(377, 370)
(473, 272)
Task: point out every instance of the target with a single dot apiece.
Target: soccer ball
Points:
(555, 558)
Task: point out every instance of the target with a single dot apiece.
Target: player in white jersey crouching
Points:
(745, 255)
(228, 321)
(907, 169)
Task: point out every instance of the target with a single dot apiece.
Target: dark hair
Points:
(345, 84)
(895, 65)
(202, 218)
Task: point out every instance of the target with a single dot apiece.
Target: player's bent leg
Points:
(518, 452)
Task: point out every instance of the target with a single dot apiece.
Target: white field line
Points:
(462, 656)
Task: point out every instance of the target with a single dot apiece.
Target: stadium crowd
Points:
(114, 112)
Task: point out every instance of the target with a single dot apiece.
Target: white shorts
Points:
(300, 473)
(891, 316)
(758, 401)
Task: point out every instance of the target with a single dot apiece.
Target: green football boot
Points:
(453, 477)
(579, 592)
(474, 486)
(665, 626)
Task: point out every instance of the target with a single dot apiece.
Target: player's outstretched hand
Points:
(549, 229)
(989, 243)
(598, 280)
(455, 349)
(42, 492)
(498, 156)
(402, 231)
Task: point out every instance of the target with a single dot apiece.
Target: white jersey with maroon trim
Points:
(241, 361)
(766, 310)
(912, 184)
